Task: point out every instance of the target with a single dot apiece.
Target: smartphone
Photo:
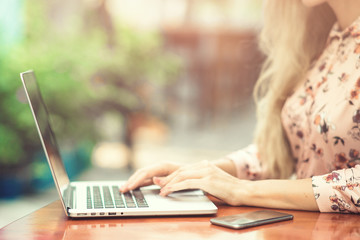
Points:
(251, 219)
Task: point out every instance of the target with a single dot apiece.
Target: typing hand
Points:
(205, 176)
(145, 176)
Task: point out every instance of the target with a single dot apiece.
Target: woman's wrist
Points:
(242, 193)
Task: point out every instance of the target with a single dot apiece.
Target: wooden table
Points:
(50, 222)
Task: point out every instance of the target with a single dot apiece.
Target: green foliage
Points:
(80, 75)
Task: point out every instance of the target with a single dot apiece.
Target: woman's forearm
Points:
(286, 194)
(215, 180)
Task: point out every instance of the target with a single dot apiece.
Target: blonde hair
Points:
(293, 36)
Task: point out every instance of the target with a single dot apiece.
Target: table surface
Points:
(50, 222)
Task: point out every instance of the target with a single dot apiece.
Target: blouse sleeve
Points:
(247, 163)
(338, 191)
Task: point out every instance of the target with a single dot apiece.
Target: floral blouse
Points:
(322, 122)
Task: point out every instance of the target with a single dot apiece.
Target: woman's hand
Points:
(205, 176)
(144, 176)
(211, 178)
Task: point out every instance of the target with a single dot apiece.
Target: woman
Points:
(308, 110)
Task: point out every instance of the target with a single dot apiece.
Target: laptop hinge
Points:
(69, 197)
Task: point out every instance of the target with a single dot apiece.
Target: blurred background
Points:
(127, 83)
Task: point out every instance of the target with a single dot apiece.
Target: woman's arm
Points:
(242, 164)
(287, 194)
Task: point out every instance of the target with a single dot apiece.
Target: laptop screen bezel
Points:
(46, 134)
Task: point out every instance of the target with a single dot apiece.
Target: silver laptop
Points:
(103, 198)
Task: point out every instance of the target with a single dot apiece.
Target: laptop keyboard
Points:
(102, 198)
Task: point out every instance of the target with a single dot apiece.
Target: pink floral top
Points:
(322, 122)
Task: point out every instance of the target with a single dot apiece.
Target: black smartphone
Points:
(251, 219)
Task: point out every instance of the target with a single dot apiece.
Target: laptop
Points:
(102, 198)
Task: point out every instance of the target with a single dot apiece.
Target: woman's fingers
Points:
(144, 176)
(190, 177)
(171, 177)
(183, 185)
(158, 181)
(190, 171)
(141, 177)
(206, 177)
(187, 175)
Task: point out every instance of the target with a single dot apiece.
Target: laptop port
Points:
(93, 214)
(112, 213)
(102, 213)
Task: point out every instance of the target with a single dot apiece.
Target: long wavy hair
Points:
(293, 36)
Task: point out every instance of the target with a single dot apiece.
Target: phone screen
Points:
(251, 219)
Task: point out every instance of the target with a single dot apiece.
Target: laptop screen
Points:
(47, 136)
